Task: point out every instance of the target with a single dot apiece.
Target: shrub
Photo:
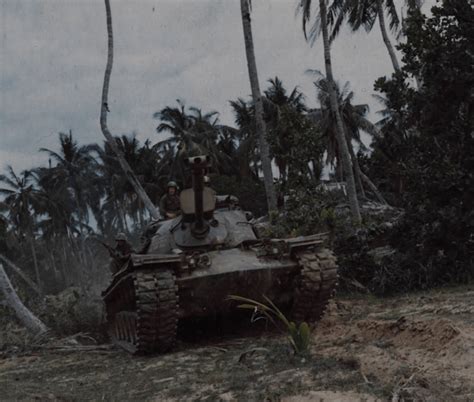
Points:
(299, 336)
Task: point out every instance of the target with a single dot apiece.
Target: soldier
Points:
(169, 204)
(121, 253)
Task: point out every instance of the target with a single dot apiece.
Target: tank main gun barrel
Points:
(199, 166)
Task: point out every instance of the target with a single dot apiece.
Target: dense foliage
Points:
(422, 160)
(53, 216)
(431, 134)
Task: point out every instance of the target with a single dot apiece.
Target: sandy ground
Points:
(416, 347)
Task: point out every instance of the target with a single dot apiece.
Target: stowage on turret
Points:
(193, 262)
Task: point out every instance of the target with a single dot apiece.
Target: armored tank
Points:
(192, 263)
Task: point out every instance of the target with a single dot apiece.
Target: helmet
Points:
(120, 236)
(172, 184)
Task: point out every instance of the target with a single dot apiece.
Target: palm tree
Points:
(192, 132)
(391, 145)
(103, 120)
(20, 201)
(305, 7)
(257, 100)
(75, 171)
(247, 149)
(364, 13)
(355, 121)
(287, 121)
(176, 121)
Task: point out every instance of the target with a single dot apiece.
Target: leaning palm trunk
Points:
(26, 317)
(374, 188)
(257, 100)
(355, 163)
(21, 274)
(103, 122)
(385, 37)
(341, 136)
(35, 260)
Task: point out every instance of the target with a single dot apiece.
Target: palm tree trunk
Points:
(341, 136)
(374, 188)
(118, 208)
(35, 260)
(57, 273)
(385, 37)
(357, 172)
(103, 121)
(257, 100)
(21, 274)
(124, 215)
(339, 170)
(317, 170)
(27, 318)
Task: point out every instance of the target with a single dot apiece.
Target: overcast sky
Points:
(53, 55)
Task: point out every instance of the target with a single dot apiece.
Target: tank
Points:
(192, 263)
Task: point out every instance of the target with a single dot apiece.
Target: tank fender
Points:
(141, 260)
(303, 242)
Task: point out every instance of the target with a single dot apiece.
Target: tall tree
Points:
(354, 121)
(305, 6)
(75, 171)
(257, 99)
(247, 149)
(20, 199)
(364, 13)
(103, 120)
(193, 132)
(289, 125)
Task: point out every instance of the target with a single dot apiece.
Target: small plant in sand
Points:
(299, 336)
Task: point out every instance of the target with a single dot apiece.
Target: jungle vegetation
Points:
(421, 160)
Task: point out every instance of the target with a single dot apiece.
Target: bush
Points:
(73, 311)
(306, 212)
(251, 193)
(299, 336)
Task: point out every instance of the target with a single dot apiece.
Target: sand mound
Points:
(431, 335)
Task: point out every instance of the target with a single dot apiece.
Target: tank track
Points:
(316, 285)
(142, 312)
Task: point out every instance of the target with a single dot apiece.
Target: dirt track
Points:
(419, 346)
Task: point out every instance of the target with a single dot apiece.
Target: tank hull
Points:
(151, 293)
(236, 272)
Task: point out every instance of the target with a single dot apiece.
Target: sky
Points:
(53, 55)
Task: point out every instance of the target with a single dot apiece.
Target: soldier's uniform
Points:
(122, 253)
(169, 203)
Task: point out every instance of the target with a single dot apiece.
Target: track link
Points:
(142, 316)
(316, 284)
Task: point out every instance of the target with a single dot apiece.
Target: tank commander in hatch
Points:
(121, 253)
(169, 204)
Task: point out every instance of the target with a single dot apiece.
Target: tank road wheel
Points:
(157, 311)
(315, 285)
(142, 315)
